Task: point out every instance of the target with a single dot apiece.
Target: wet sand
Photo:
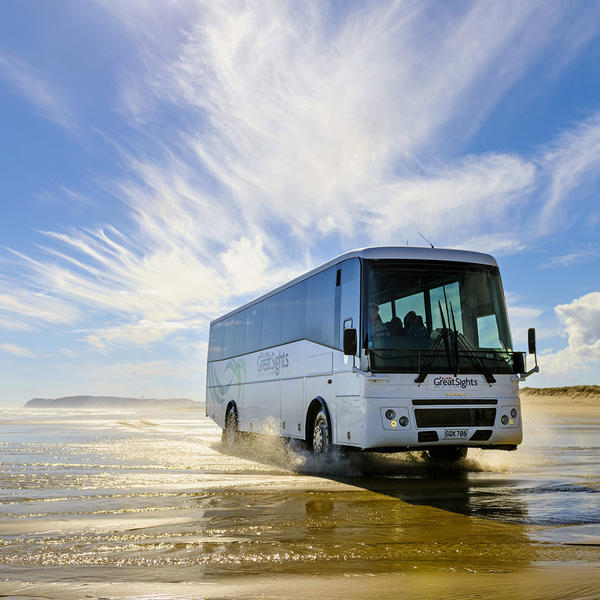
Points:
(150, 505)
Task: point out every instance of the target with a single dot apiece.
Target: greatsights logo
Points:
(272, 361)
(454, 382)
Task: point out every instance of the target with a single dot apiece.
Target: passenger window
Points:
(487, 332)
(414, 303)
(292, 323)
(385, 312)
(320, 308)
(349, 297)
(239, 333)
(253, 327)
(215, 344)
(271, 323)
(229, 337)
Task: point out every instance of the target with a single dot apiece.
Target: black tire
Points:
(230, 435)
(447, 454)
(320, 441)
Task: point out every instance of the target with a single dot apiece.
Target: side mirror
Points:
(519, 359)
(518, 362)
(349, 342)
(531, 340)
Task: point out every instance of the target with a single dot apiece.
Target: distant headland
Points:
(99, 402)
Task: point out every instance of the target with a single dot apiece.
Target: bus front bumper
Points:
(394, 425)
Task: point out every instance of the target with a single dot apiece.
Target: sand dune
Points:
(583, 399)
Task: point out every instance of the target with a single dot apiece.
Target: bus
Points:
(380, 349)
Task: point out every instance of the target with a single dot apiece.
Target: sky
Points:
(164, 162)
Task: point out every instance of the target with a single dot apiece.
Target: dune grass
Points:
(572, 391)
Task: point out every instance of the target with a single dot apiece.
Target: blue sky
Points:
(163, 162)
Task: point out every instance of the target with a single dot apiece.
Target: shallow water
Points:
(151, 505)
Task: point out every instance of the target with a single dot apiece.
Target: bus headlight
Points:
(395, 419)
(504, 420)
(513, 413)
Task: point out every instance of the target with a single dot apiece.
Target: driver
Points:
(376, 325)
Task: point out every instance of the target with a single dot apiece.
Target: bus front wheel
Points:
(447, 454)
(321, 437)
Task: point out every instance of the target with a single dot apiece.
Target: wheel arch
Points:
(314, 407)
(231, 406)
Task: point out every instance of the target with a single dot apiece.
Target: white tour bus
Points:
(387, 349)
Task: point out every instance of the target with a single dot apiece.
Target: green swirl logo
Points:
(237, 367)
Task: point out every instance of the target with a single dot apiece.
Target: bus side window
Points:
(487, 332)
(350, 297)
(385, 312)
(320, 308)
(240, 332)
(271, 322)
(253, 328)
(215, 345)
(228, 337)
(292, 323)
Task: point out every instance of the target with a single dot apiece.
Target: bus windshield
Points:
(434, 316)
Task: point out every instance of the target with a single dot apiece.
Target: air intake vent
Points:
(455, 417)
(454, 401)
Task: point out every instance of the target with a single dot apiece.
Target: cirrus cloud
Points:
(16, 350)
(301, 129)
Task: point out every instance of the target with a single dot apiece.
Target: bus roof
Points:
(382, 253)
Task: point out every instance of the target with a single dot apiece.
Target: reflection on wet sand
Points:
(482, 485)
(152, 506)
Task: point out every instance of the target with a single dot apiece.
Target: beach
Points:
(149, 504)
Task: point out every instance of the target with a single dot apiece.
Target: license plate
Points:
(455, 434)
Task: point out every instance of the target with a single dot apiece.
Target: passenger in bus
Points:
(395, 326)
(376, 325)
(413, 325)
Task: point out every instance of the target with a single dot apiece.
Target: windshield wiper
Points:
(427, 365)
(452, 362)
(454, 344)
(424, 372)
(476, 361)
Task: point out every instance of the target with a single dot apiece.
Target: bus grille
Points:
(455, 417)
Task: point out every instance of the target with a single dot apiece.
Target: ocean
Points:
(149, 504)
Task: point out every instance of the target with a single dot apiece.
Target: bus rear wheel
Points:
(230, 435)
(321, 436)
(447, 454)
